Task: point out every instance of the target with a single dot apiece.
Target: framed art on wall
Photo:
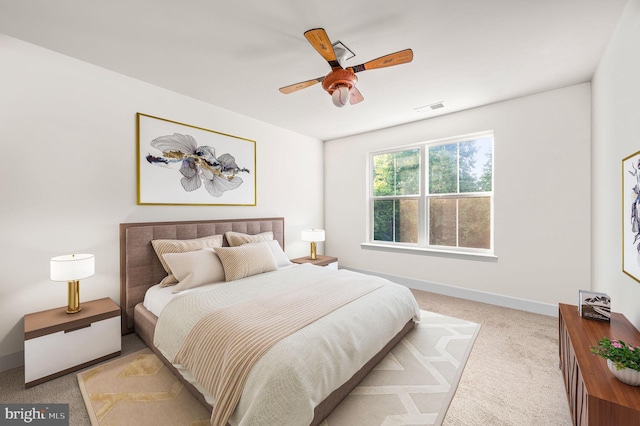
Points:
(631, 216)
(180, 164)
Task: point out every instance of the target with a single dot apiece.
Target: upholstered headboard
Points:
(140, 267)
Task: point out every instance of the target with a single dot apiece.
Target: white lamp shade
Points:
(72, 267)
(313, 235)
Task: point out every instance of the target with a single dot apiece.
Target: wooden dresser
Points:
(596, 397)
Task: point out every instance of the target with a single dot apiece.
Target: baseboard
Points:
(465, 293)
(7, 362)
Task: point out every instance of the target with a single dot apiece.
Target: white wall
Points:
(616, 135)
(542, 200)
(68, 175)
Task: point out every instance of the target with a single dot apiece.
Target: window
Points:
(435, 195)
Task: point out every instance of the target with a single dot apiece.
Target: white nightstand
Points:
(328, 261)
(56, 343)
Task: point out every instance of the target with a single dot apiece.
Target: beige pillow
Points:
(195, 268)
(238, 238)
(181, 246)
(246, 260)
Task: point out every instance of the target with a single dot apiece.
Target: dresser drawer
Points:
(64, 350)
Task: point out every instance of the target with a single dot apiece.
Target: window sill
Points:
(429, 252)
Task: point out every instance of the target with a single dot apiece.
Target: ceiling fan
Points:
(341, 82)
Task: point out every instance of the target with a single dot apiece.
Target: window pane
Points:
(442, 222)
(396, 220)
(383, 174)
(408, 172)
(407, 220)
(443, 168)
(475, 165)
(396, 173)
(474, 222)
(383, 220)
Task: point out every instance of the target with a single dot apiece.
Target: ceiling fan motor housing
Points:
(339, 77)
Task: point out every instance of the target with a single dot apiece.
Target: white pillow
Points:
(181, 246)
(195, 268)
(246, 260)
(236, 239)
(278, 254)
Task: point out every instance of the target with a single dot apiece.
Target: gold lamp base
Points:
(74, 297)
(313, 250)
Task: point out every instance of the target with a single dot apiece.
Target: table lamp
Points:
(72, 268)
(313, 235)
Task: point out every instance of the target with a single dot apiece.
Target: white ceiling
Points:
(237, 54)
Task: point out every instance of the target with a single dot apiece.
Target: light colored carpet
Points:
(522, 343)
(512, 377)
(414, 384)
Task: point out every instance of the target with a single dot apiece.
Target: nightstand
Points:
(328, 261)
(56, 343)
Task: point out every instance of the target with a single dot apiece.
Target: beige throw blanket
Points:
(224, 345)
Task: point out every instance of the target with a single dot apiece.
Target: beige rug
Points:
(139, 390)
(413, 385)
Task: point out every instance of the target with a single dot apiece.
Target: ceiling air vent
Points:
(430, 107)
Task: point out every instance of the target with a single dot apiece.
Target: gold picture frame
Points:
(631, 215)
(181, 164)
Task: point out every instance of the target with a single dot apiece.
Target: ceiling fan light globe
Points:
(340, 96)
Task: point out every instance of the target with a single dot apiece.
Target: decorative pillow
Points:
(195, 268)
(181, 246)
(236, 239)
(246, 260)
(278, 254)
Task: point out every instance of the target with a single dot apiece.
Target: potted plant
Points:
(623, 359)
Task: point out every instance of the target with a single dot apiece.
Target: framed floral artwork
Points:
(631, 216)
(181, 164)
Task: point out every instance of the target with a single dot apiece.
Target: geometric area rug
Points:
(413, 385)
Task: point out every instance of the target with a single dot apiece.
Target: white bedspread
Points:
(299, 372)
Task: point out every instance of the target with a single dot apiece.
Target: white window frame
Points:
(423, 201)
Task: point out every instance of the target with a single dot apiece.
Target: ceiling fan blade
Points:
(355, 96)
(401, 57)
(321, 42)
(299, 86)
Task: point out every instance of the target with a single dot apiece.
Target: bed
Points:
(141, 271)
